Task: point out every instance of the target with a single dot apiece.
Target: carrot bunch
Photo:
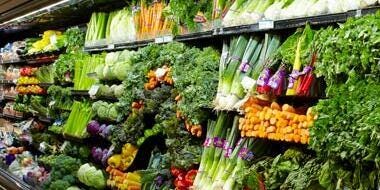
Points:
(276, 123)
(123, 181)
(151, 21)
(158, 76)
(195, 130)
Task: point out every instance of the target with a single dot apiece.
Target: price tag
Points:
(51, 103)
(53, 39)
(92, 75)
(111, 46)
(266, 24)
(248, 83)
(358, 13)
(168, 38)
(159, 40)
(93, 90)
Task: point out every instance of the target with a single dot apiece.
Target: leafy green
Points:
(287, 52)
(198, 89)
(63, 173)
(350, 51)
(75, 39)
(183, 12)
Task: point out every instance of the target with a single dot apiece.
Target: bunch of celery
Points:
(246, 12)
(84, 66)
(77, 122)
(244, 59)
(96, 28)
(121, 26)
(224, 155)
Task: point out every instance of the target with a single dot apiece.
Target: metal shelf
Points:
(11, 182)
(13, 62)
(278, 25)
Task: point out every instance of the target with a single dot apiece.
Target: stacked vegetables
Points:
(51, 40)
(120, 26)
(150, 20)
(124, 160)
(117, 66)
(123, 181)
(107, 111)
(240, 66)
(96, 27)
(44, 74)
(82, 67)
(224, 155)
(80, 115)
(275, 122)
(91, 176)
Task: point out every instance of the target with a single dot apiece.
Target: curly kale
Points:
(198, 89)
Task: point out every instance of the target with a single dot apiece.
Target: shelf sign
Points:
(168, 38)
(266, 24)
(92, 75)
(159, 40)
(163, 39)
(93, 90)
(111, 46)
(358, 13)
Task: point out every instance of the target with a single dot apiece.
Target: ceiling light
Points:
(47, 8)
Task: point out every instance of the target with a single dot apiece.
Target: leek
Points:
(229, 72)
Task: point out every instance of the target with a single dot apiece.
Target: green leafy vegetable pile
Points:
(350, 51)
(63, 173)
(346, 133)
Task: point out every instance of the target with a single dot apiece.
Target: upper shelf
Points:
(262, 26)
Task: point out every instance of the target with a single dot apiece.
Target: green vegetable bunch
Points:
(74, 39)
(107, 111)
(347, 132)
(198, 89)
(63, 173)
(350, 51)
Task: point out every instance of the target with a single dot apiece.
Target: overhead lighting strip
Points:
(46, 8)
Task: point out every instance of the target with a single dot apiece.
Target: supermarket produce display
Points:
(179, 94)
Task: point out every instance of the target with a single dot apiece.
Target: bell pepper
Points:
(115, 161)
(190, 176)
(175, 171)
(128, 149)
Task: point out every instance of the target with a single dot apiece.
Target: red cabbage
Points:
(93, 127)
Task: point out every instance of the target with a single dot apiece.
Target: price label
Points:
(53, 39)
(92, 75)
(266, 24)
(93, 90)
(168, 38)
(51, 103)
(358, 13)
(159, 40)
(111, 46)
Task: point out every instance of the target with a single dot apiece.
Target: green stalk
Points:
(237, 88)
(229, 72)
(222, 67)
(231, 141)
(236, 57)
(218, 131)
(205, 153)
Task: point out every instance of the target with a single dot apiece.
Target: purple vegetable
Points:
(106, 131)
(9, 159)
(97, 153)
(106, 155)
(93, 127)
